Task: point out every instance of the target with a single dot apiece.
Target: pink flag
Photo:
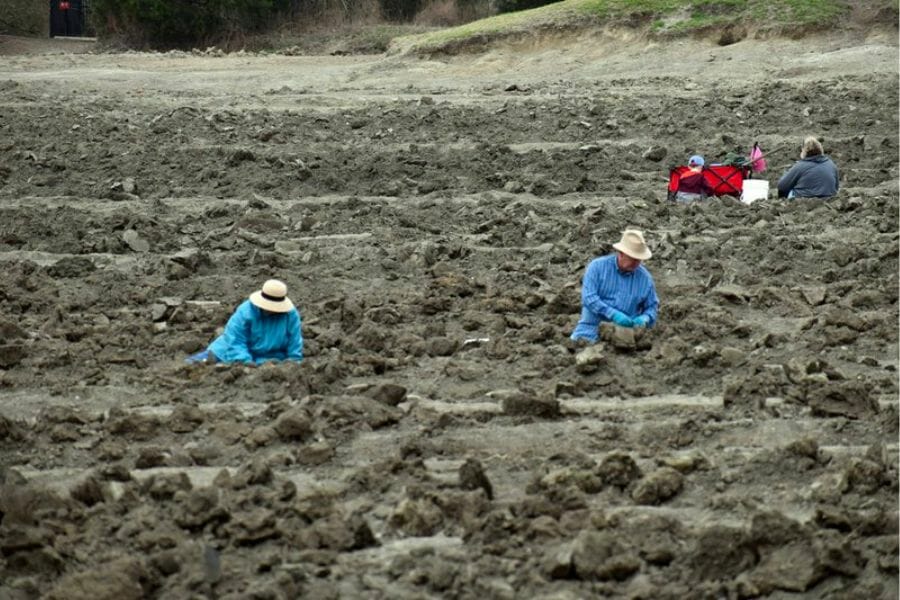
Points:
(757, 162)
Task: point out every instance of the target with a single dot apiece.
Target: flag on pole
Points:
(757, 162)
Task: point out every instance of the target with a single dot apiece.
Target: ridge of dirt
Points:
(864, 20)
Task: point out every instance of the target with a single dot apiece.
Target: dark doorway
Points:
(69, 18)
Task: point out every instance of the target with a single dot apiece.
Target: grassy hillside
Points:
(659, 17)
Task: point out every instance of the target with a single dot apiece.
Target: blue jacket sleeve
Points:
(590, 285)
(235, 335)
(295, 338)
(789, 179)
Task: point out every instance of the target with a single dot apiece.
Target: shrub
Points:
(333, 11)
(24, 17)
(472, 10)
(504, 6)
(179, 23)
(400, 10)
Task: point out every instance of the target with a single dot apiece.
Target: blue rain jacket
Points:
(810, 177)
(255, 336)
(606, 289)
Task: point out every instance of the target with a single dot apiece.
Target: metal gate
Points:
(70, 18)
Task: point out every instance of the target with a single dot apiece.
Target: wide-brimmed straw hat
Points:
(633, 244)
(272, 297)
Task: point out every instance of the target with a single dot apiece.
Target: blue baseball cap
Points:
(696, 161)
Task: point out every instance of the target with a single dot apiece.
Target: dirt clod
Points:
(658, 486)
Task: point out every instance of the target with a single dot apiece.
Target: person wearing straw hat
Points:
(618, 288)
(264, 328)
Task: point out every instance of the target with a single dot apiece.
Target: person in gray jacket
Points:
(813, 176)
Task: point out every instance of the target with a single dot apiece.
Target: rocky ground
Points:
(432, 219)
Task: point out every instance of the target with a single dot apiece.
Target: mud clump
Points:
(70, 267)
(751, 391)
(590, 359)
(89, 492)
(387, 393)
(618, 469)
(851, 399)
(119, 579)
(417, 516)
(11, 331)
(625, 339)
(658, 486)
(11, 355)
(793, 568)
(599, 555)
(11, 430)
(519, 403)
(473, 477)
(185, 419)
(721, 553)
(293, 425)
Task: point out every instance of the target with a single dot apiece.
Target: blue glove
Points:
(621, 320)
(641, 321)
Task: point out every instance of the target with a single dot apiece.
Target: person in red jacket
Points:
(693, 186)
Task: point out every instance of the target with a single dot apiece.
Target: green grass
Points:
(499, 24)
(777, 11)
(661, 16)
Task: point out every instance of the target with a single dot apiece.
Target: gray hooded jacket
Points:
(810, 177)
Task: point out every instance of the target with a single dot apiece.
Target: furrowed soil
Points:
(432, 218)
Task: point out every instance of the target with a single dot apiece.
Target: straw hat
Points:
(272, 297)
(633, 244)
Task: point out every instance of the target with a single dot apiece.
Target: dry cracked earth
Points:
(432, 218)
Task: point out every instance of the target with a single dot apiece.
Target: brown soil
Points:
(11, 45)
(432, 218)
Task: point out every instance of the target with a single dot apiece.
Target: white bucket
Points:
(754, 189)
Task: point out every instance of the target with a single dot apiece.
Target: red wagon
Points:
(725, 180)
